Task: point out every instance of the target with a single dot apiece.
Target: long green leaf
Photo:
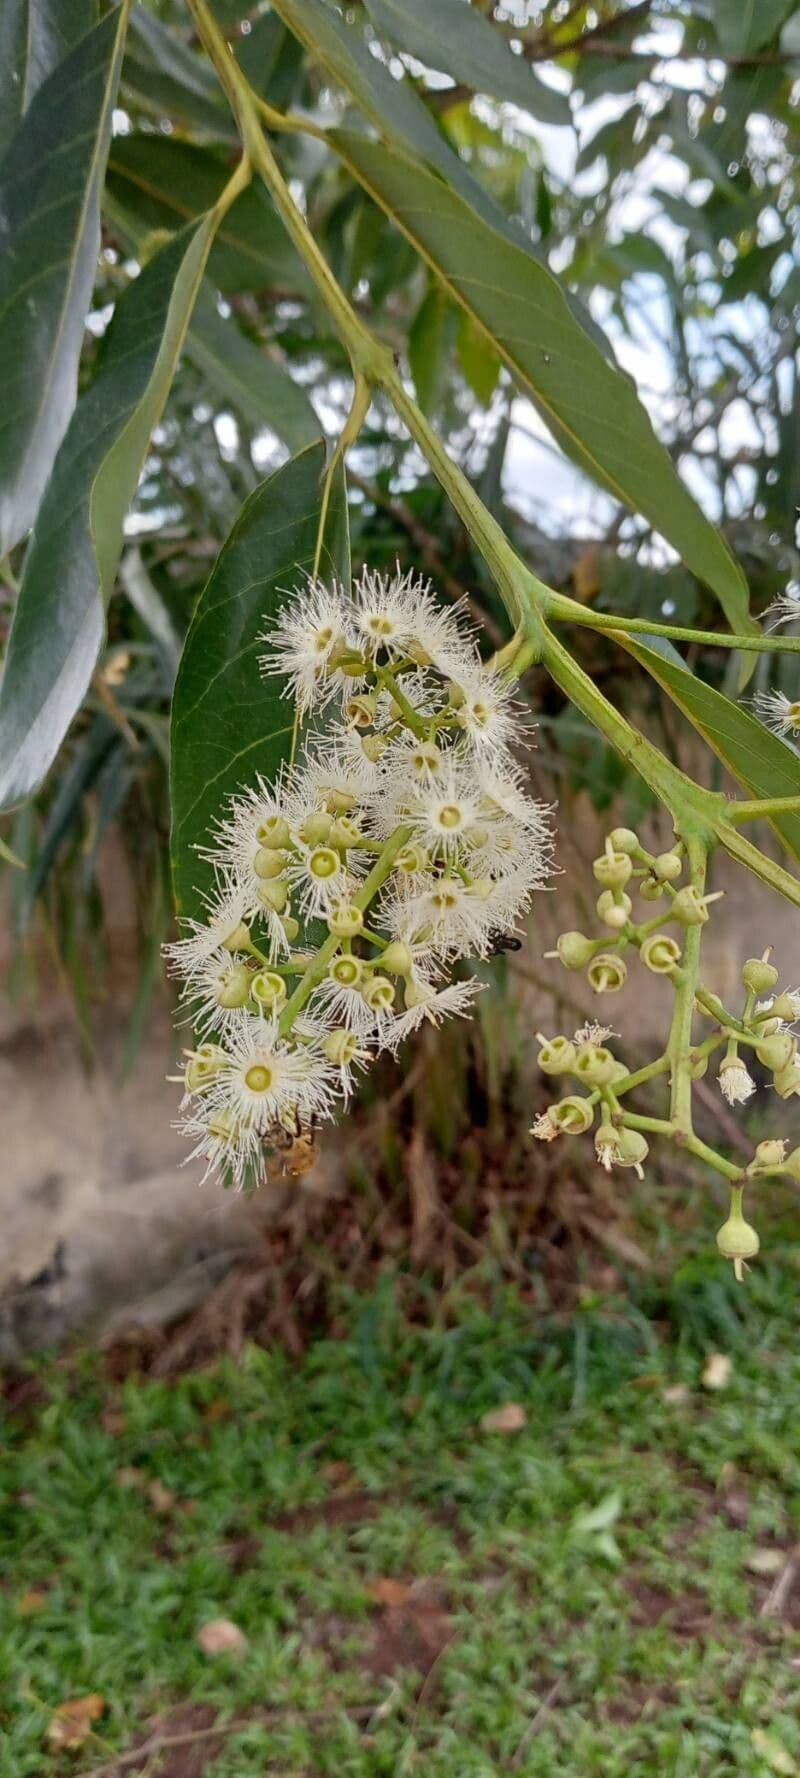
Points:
(458, 40)
(35, 35)
(72, 559)
(590, 404)
(50, 184)
(261, 391)
(757, 758)
(228, 723)
(161, 183)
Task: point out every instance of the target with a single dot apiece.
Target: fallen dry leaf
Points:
(71, 1723)
(767, 1561)
(510, 1418)
(128, 1477)
(220, 1636)
(717, 1371)
(113, 1421)
(389, 1592)
(675, 1395)
(32, 1601)
(161, 1499)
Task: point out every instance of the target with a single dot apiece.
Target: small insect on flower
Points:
(778, 713)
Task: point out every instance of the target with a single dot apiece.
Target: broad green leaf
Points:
(271, 58)
(50, 184)
(744, 26)
(258, 389)
(228, 723)
(763, 763)
(35, 35)
(165, 77)
(72, 558)
(456, 39)
(161, 183)
(430, 341)
(478, 359)
(591, 406)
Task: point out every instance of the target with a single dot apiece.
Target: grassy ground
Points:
(419, 1594)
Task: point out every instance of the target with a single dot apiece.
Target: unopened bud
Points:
(660, 953)
(650, 889)
(607, 973)
(777, 1052)
(269, 863)
(632, 1149)
(344, 833)
(574, 950)
(372, 746)
(315, 828)
(339, 802)
(787, 1081)
(698, 1066)
(667, 866)
(784, 1006)
(758, 975)
(557, 1055)
(736, 1239)
(397, 958)
(274, 895)
(623, 839)
(291, 927)
(233, 988)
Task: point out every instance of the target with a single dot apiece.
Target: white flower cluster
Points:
(401, 842)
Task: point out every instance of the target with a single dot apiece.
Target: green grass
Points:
(597, 1559)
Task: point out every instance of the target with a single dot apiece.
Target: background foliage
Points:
(646, 153)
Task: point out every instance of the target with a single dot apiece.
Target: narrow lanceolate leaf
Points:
(72, 558)
(764, 764)
(35, 35)
(228, 723)
(456, 39)
(591, 406)
(50, 183)
(258, 389)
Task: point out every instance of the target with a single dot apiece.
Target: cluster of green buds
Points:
(668, 944)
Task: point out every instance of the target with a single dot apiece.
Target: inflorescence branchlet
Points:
(401, 842)
(668, 944)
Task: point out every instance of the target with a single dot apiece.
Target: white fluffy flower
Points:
(223, 925)
(779, 713)
(442, 812)
(488, 713)
(310, 630)
(269, 1079)
(735, 1083)
(454, 918)
(785, 609)
(431, 1006)
(231, 1150)
(319, 878)
(399, 613)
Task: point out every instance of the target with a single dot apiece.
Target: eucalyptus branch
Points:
(566, 610)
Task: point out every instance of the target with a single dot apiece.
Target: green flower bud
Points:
(667, 867)
(269, 863)
(344, 833)
(736, 1239)
(787, 1080)
(759, 976)
(203, 1066)
(607, 973)
(632, 1149)
(574, 950)
(341, 1048)
(595, 1065)
(769, 1157)
(614, 908)
(613, 869)
(274, 832)
(623, 839)
(238, 939)
(783, 1007)
(777, 1052)
(572, 1116)
(372, 746)
(233, 988)
(660, 953)
(346, 972)
(698, 1066)
(556, 1056)
(291, 927)
(397, 958)
(650, 889)
(274, 895)
(346, 919)
(378, 993)
(339, 802)
(315, 828)
(268, 990)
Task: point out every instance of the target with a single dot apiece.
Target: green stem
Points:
(679, 1045)
(703, 1153)
(650, 1072)
(417, 724)
(359, 408)
(656, 1126)
(315, 972)
(565, 610)
(764, 807)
